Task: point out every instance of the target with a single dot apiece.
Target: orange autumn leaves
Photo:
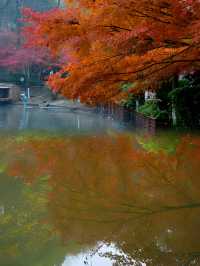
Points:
(104, 44)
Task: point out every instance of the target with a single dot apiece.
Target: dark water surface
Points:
(78, 189)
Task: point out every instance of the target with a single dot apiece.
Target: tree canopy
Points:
(105, 44)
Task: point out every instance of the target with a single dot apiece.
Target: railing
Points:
(130, 116)
(116, 111)
(145, 123)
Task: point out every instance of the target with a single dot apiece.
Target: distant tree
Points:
(18, 58)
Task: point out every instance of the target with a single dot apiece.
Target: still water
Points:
(78, 189)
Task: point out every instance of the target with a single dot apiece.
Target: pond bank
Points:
(112, 111)
(41, 103)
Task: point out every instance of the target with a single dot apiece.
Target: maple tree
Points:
(14, 56)
(109, 43)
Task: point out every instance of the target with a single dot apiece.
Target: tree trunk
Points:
(59, 3)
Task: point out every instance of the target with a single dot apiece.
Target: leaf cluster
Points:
(101, 50)
(151, 109)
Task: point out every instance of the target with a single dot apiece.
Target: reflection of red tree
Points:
(109, 188)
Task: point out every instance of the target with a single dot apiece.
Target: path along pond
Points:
(79, 189)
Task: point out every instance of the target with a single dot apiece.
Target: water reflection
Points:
(123, 190)
(54, 120)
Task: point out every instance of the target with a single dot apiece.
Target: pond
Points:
(79, 189)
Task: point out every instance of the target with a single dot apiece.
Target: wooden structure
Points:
(116, 111)
(127, 115)
(9, 93)
(147, 124)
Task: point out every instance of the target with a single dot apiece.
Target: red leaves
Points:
(112, 42)
(15, 56)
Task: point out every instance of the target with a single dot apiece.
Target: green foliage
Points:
(150, 108)
(185, 98)
(129, 102)
(126, 86)
(174, 94)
